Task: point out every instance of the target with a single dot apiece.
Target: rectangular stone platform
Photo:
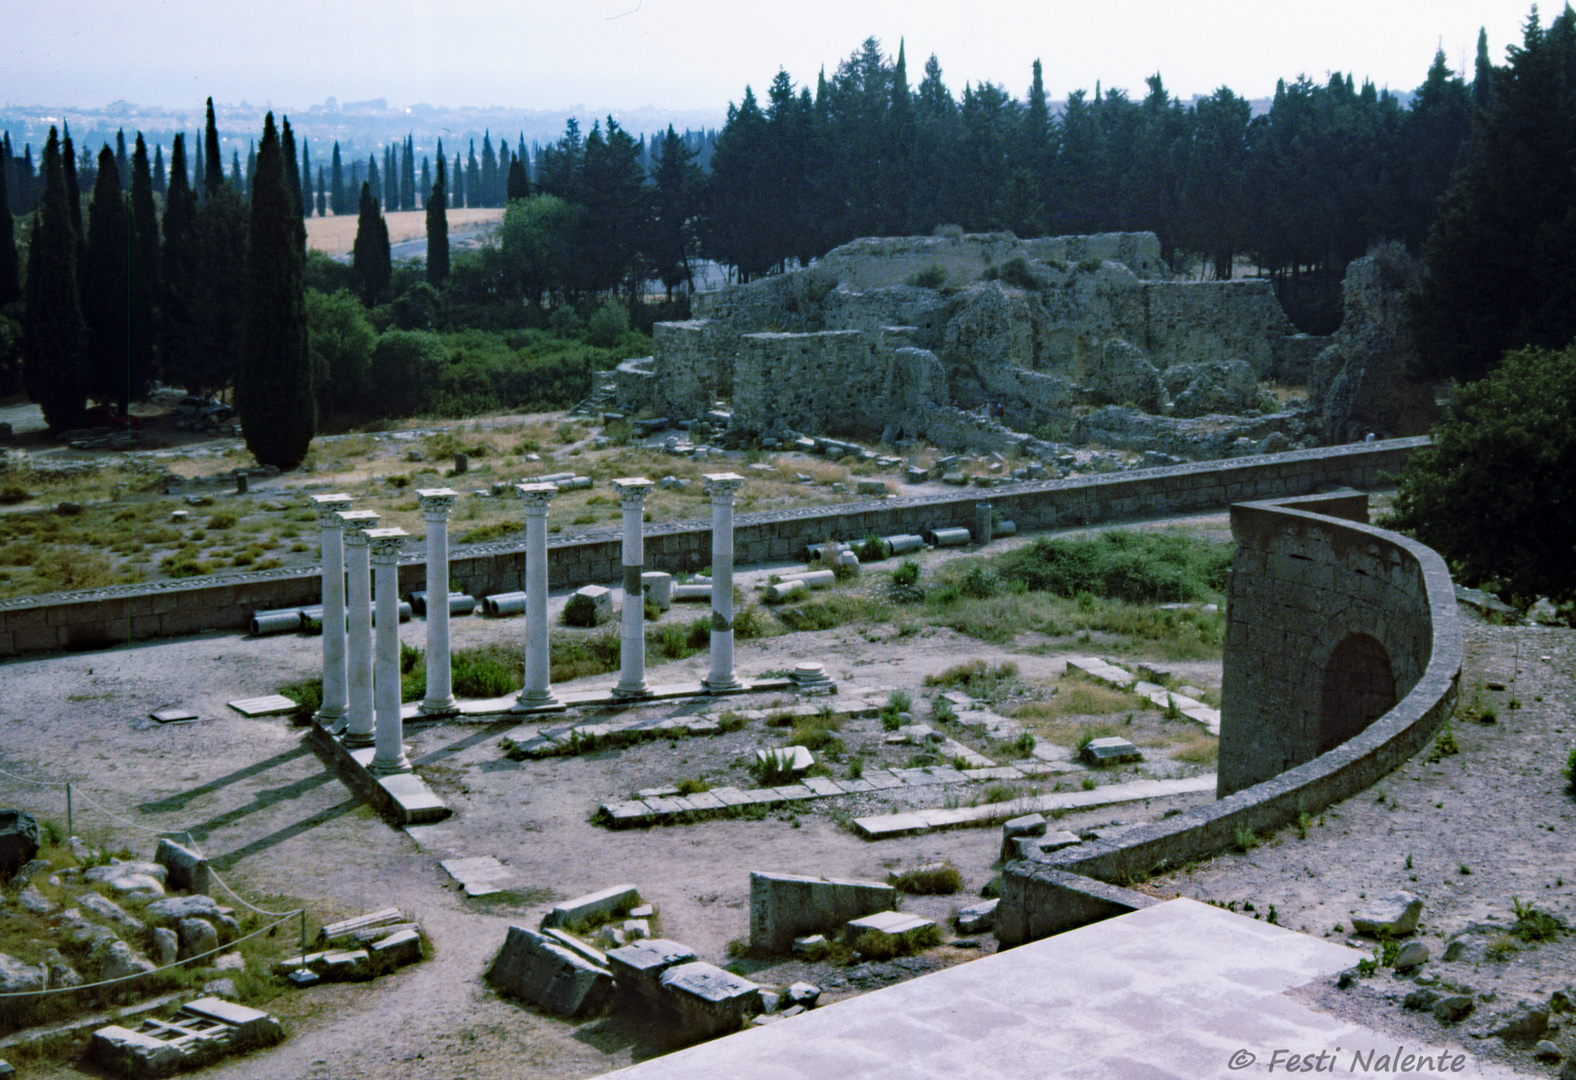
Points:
(1181, 989)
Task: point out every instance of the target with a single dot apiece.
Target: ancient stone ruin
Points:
(966, 341)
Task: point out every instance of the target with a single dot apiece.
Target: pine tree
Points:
(336, 183)
(677, 185)
(178, 326)
(52, 330)
(274, 395)
(1483, 76)
(438, 231)
(370, 257)
(213, 163)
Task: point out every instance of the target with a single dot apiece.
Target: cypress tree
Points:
(306, 180)
(336, 182)
(122, 165)
(160, 180)
(213, 164)
(370, 257)
(426, 175)
(52, 331)
(144, 270)
(322, 193)
(178, 280)
(519, 184)
(475, 194)
(437, 232)
(237, 178)
(374, 180)
(68, 166)
(407, 175)
(251, 164)
(489, 170)
(274, 395)
(390, 180)
(10, 275)
(459, 182)
(106, 289)
(287, 146)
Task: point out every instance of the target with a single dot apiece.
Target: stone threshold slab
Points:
(1156, 694)
(884, 826)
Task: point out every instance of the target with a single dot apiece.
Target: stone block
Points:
(347, 966)
(708, 1000)
(1395, 915)
(616, 899)
(637, 967)
(786, 906)
(600, 599)
(785, 760)
(197, 937)
(398, 949)
(132, 1053)
(186, 870)
(977, 918)
(534, 968)
(658, 587)
(900, 926)
(1113, 750)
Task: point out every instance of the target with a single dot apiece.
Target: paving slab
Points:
(267, 705)
(479, 874)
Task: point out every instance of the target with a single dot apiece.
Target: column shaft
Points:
(332, 711)
(389, 756)
(358, 716)
(722, 487)
(537, 693)
(632, 651)
(435, 506)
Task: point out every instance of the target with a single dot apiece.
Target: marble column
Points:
(722, 487)
(632, 493)
(389, 756)
(538, 692)
(331, 714)
(358, 598)
(435, 506)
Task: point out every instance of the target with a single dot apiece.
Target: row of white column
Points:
(361, 697)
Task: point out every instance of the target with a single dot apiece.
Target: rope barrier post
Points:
(70, 828)
(303, 976)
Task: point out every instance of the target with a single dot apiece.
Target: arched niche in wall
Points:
(1358, 688)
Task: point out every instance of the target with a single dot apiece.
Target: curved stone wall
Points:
(1305, 583)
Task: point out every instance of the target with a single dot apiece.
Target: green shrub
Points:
(580, 611)
(872, 550)
(933, 276)
(11, 494)
(907, 573)
(773, 769)
(980, 580)
(607, 324)
(1142, 568)
(937, 879)
(942, 710)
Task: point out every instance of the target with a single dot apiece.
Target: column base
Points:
(632, 693)
(357, 741)
(440, 708)
(731, 685)
(535, 701)
(329, 715)
(389, 768)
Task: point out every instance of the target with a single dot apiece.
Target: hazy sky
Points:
(699, 54)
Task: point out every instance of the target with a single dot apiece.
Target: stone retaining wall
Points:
(103, 617)
(1414, 609)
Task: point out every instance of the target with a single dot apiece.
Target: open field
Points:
(336, 234)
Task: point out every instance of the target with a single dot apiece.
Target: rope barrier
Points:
(40, 783)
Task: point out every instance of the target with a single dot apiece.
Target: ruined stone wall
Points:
(102, 617)
(875, 262)
(1307, 569)
(839, 382)
(1200, 321)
